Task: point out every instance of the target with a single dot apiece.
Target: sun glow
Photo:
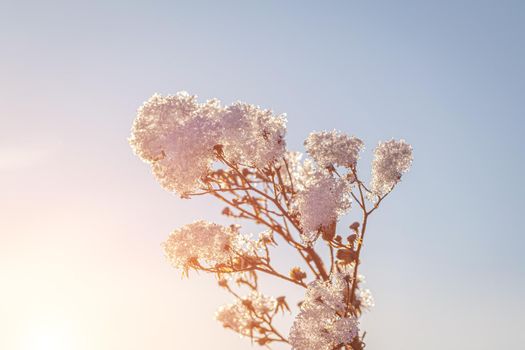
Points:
(50, 337)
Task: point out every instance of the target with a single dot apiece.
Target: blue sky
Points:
(83, 216)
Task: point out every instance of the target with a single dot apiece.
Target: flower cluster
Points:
(295, 171)
(247, 314)
(391, 160)
(321, 202)
(201, 242)
(333, 148)
(251, 135)
(365, 299)
(238, 155)
(324, 321)
(179, 136)
(176, 135)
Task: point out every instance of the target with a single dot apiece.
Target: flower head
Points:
(391, 160)
(252, 135)
(321, 202)
(332, 148)
(201, 242)
(178, 136)
(323, 322)
(245, 315)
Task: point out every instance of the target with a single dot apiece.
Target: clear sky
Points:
(81, 218)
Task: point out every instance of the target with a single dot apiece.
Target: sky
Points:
(82, 218)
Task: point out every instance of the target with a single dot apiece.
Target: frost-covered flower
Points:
(295, 171)
(321, 329)
(365, 298)
(248, 246)
(177, 135)
(245, 315)
(238, 154)
(333, 148)
(323, 322)
(252, 135)
(322, 201)
(201, 241)
(391, 160)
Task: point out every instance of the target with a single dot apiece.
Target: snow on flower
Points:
(177, 135)
(237, 153)
(246, 314)
(252, 135)
(296, 172)
(323, 322)
(321, 202)
(391, 160)
(201, 241)
(332, 148)
(365, 298)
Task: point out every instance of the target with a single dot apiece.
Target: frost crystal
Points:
(201, 242)
(391, 160)
(333, 148)
(321, 202)
(246, 314)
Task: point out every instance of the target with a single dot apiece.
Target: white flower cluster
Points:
(183, 139)
(365, 298)
(177, 135)
(391, 160)
(321, 202)
(321, 323)
(246, 314)
(296, 172)
(251, 135)
(333, 148)
(201, 241)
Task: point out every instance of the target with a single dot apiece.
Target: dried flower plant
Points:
(238, 155)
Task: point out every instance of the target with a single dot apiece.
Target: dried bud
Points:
(351, 178)
(263, 341)
(355, 226)
(223, 283)
(328, 233)
(297, 274)
(245, 172)
(253, 324)
(266, 237)
(330, 168)
(282, 304)
(218, 149)
(346, 255)
(351, 239)
(248, 304)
